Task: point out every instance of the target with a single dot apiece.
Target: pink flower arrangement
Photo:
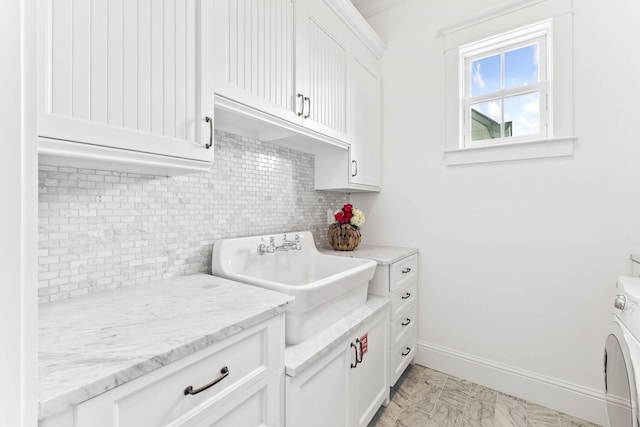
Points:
(349, 215)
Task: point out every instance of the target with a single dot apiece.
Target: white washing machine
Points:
(622, 355)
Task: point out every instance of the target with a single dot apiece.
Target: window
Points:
(509, 83)
(505, 88)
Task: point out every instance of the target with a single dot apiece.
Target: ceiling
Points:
(371, 7)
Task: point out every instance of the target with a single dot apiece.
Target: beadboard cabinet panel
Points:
(324, 74)
(255, 56)
(127, 74)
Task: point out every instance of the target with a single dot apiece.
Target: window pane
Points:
(521, 66)
(485, 75)
(485, 120)
(522, 115)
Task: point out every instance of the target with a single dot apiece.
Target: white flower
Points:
(358, 217)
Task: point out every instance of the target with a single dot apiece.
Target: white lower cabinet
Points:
(345, 387)
(399, 282)
(236, 382)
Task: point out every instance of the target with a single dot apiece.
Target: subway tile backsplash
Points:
(101, 230)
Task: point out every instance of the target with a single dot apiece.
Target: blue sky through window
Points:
(520, 69)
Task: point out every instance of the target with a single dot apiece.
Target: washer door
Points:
(619, 381)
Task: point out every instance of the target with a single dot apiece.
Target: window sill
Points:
(538, 149)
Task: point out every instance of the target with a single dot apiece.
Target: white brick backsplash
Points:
(100, 230)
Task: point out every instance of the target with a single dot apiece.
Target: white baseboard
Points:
(578, 401)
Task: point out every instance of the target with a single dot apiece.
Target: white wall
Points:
(518, 260)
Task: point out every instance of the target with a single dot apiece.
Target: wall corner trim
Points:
(573, 399)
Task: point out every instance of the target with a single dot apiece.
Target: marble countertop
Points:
(88, 345)
(298, 357)
(381, 254)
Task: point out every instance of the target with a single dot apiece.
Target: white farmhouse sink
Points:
(325, 287)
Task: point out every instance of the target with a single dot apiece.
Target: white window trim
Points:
(519, 14)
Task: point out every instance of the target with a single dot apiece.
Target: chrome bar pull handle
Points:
(224, 373)
(406, 270)
(301, 96)
(354, 163)
(407, 351)
(210, 121)
(353, 365)
(406, 322)
(306, 98)
(407, 295)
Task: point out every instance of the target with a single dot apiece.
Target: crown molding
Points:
(492, 12)
(356, 22)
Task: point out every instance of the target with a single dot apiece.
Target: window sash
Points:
(538, 34)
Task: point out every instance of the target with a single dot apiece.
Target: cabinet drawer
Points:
(158, 398)
(403, 297)
(402, 355)
(403, 271)
(258, 407)
(404, 324)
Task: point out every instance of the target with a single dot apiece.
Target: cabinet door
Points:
(260, 406)
(322, 63)
(368, 382)
(317, 397)
(365, 119)
(254, 55)
(126, 74)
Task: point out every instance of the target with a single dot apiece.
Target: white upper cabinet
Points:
(359, 169)
(255, 55)
(127, 81)
(284, 58)
(304, 74)
(323, 69)
(366, 146)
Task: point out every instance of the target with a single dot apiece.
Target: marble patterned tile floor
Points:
(425, 397)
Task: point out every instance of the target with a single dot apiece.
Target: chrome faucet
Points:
(267, 249)
(287, 245)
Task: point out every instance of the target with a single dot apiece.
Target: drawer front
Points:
(402, 355)
(404, 324)
(403, 272)
(158, 398)
(258, 407)
(403, 298)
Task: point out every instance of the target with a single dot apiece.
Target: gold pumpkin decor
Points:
(344, 233)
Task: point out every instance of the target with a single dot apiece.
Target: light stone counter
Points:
(88, 345)
(300, 356)
(381, 254)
